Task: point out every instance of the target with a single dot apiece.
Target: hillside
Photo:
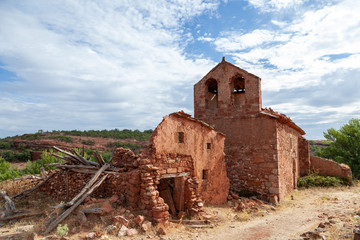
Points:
(26, 147)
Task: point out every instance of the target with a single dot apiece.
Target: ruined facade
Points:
(183, 168)
(264, 150)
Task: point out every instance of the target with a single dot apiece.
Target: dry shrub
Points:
(13, 187)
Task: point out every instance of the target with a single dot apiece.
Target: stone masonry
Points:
(265, 150)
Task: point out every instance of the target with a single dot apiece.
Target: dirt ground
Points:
(322, 213)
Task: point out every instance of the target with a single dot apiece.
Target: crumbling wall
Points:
(200, 152)
(329, 167)
(251, 153)
(288, 158)
(304, 156)
(125, 158)
(65, 185)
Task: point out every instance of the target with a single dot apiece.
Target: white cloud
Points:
(275, 5)
(107, 62)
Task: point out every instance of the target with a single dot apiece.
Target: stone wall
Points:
(200, 152)
(68, 184)
(288, 158)
(304, 156)
(329, 167)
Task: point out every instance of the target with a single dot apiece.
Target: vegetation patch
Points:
(133, 147)
(63, 138)
(7, 172)
(88, 142)
(315, 180)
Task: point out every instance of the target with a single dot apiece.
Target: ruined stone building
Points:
(183, 168)
(265, 150)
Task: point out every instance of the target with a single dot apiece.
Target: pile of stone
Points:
(150, 201)
(245, 204)
(194, 202)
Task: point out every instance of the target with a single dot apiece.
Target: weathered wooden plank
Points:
(20, 216)
(9, 206)
(88, 185)
(75, 205)
(172, 175)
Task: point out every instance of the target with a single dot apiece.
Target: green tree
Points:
(345, 145)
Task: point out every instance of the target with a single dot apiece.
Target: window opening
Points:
(180, 137)
(212, 94)
(205, 174)
(208, 145)
(239, 85)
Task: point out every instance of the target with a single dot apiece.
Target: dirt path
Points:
(337, 209)
(294, 217)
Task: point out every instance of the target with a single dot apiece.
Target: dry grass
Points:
(12, 187)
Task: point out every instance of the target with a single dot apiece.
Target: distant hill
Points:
(20, 148)
(317, 145)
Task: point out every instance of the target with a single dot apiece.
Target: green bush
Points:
(62, 230)
(6, 172)
(315, 180)
(34, 136)
(46, 158)
(8, 155)
(88, 142)
(23, 156)
(114, 133)
(63, 138)
(5, 144)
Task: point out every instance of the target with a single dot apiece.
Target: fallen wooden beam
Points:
(75, 205)
(9, 206)
(194, 222)
(20, 216)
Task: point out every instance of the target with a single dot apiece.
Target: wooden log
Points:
(75, 205)
(192, 222)
(99, 158)
(9, 206)
(87, 162)
(20, 216)
(91, 171)
(200, 226)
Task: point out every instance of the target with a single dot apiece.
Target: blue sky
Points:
(125, 64)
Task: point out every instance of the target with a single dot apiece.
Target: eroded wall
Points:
(327, 167)
(201, 153)
(288, 158)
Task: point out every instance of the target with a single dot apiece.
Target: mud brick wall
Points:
(304, 156)
(329, 167)
(150, 201)
(251, 153)
(288, 158)
(125, 158)
(125, 185)
(200, 152)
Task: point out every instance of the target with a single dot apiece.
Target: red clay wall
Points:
(304, 156)
(169, 154)
(125, 185)
(250, 148)
(229, 104)
(329, 167)
(288, 158)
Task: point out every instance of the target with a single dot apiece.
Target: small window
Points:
(205, 174)
(239, 85)
(180, 137)
(208, 146)
(212, 86)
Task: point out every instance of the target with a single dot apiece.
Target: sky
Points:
(93, 65)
